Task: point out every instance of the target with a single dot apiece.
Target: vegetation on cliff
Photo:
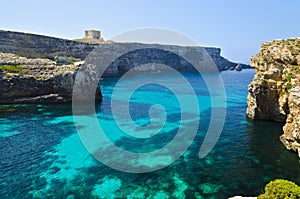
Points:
(39, 46)
(281, 189)
(24, 80)
(11, 68)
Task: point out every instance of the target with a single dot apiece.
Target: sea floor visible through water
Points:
(42, 155)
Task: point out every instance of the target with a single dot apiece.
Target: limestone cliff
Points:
(39, 80)
(38, 46)
(274, 93)
(38, 68)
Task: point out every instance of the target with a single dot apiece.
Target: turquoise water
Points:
(43, 157)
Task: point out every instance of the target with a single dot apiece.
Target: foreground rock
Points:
(25, 80)
(274, 93)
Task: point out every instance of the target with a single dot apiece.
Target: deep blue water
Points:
(43, 157)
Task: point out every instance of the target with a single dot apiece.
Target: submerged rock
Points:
(107, 188)
(274, 93)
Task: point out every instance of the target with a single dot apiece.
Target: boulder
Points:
(238, 67)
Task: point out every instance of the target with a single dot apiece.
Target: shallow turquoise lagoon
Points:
(42, 155)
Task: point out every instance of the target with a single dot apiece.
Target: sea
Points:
(44, 153)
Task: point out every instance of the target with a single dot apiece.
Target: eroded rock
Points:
(274, 93)
(37, 80)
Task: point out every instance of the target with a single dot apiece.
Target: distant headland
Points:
(37, 68)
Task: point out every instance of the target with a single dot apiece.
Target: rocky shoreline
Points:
(274, 93)
(39, 46)
(24, 80)
(42, 69)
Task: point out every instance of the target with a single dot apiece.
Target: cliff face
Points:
(35, 68)
(38, 46)
(274, 93)
(156, 55)
(39, 80)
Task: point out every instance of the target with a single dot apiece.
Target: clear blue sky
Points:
(236, 26)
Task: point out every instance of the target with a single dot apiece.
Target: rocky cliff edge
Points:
(40, 80)
(36, 68)
(274, 93)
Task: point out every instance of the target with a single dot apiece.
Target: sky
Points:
(238, 27)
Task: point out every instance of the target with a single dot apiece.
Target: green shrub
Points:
(11, 68)
(296, 68)
(290, 48)
(281, 189)
(289, 77)
(263, 81)
(288, 86)
(294, 61)
(61, 60)
(265, 58)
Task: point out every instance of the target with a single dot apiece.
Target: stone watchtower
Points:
(93, 34)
